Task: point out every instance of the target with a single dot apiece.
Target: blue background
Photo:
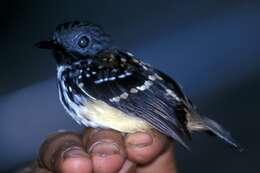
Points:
(210, 47)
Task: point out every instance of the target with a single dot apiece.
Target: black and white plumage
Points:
(103, 86)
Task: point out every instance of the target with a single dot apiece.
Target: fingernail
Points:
(139, 140)
(73, 152)
(104, 148)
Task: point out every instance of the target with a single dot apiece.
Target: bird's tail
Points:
(212, 127)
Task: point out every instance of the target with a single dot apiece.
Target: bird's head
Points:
(75, 40)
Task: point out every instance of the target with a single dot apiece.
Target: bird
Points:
(104, 86)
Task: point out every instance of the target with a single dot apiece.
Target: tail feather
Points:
(219, 131)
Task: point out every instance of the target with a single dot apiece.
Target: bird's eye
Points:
(83, 42)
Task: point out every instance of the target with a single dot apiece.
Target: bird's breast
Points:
(110, 117)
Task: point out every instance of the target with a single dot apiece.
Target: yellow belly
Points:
(110, 117)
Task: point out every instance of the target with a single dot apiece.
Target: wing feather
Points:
(150, 101)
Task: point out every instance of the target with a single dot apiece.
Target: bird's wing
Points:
(138, 89)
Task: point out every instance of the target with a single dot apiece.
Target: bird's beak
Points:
(50, 44)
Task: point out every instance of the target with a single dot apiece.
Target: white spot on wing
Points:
(98, 81)
(105, 79)
(124, 95)
(100, 66)
(130, 54)
(171, 93)
(81, 85)
(115, 99)
(133, 90)
(123, 59)
(128, 73)
(141, 88)
(152, 77)
(158, 77)
(147, 84)
(135, 60)
(144, 67)
(121, 76)
(112, 78)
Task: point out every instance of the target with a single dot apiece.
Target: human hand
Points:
(106, 151)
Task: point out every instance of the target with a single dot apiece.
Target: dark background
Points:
(210, 47)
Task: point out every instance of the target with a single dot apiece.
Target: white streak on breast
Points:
(63, 92)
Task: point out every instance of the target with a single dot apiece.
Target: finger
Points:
(128, 167)
(63, 152)
(165, 162)
(106, 148)
(143, 148)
